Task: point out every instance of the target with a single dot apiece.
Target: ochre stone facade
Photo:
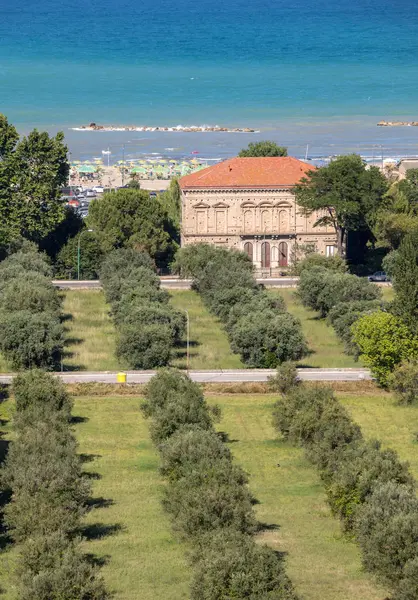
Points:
(228, 206)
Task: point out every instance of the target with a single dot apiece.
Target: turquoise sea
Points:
(306, 71)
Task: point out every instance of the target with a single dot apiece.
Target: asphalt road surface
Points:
(227, 376)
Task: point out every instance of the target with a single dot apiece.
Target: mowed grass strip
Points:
(209, 343)
(126, 528)
(381, 417)
(90, 333)
(322, 563)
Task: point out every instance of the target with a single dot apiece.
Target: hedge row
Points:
(207, 497)
(148, 327)
(49, 495)
(32, 332)
(341, 297)
(370, 490)
(258, 326)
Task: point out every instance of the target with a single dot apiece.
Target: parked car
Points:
(99, 189)
(90, 193)
(379, 276)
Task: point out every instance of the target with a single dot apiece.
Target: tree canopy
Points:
(264, 148)
(346, 192)
(32, 171)
(131, 218)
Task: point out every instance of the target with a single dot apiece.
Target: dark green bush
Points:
(138, 278)
(331, 263)
(179, 410)
(166, 384)
(229, 564)
(146, 314)
(120, 262)
(408, 585)
(344, 314)
(30, 340)
(39, 395)
(268, 340)
(52, 568)
(30, 291)
(321, 289)
(144, 346)
(404, 382)
(357, 472)
(189, 447)
(387, 530)
(286, 378)
(25, 260)
(44, 472)
(209, 499)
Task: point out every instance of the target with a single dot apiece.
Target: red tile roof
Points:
(249, 172)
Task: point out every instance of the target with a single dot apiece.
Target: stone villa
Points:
(248, 204)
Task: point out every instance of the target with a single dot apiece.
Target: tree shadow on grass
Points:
(4, 391)
(76, 419)
(97, 531)
(224, 437)
(99, 503)
(66, 317)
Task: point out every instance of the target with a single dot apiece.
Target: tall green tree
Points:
(32, 171)
(131, 218)
(264, 148)
(398, 214)
(346, 194)
(405, 281)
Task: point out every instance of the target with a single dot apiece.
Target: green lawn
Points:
(325, 348)
(321, 562)
(130, 531)
(90, 332)
(209, 343)
(128, 528)
(380, 417)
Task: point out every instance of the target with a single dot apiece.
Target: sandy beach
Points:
(111, 177)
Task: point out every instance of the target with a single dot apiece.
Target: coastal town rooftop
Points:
(253, 172)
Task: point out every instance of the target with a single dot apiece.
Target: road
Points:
(171, 283)
(219, 376)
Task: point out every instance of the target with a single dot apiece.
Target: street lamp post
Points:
(78, 252)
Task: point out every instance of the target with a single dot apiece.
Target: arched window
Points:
(282, 254)
(248, 249)
(265, 255)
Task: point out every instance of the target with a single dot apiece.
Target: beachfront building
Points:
(248, 204)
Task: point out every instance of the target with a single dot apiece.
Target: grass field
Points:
(90, 332)
(209, 343)
(128, 528)
(380, 417)
(130, 531)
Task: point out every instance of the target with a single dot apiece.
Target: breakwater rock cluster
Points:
(397, 124)
(177, 128)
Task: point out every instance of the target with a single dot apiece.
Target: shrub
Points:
(405, 281)
(408, 585)
(40, 396)
(179, 410)
(54, 569)
(268, 340)
(285, 379)
(165, 384)
(210, 499)
(30, 291)
(321, 289)
(357, 472)
(331, 263)
(144, 346)
(404, 382)
(387, 530)
(384, 341)
(187, 448)
(44, 472)
(138, 277)
(31, 340)
(232, 565)
(144, 313)
(121, 261)
(25, 260)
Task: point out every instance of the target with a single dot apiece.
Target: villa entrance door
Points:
(265, 255)
(282, 254)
